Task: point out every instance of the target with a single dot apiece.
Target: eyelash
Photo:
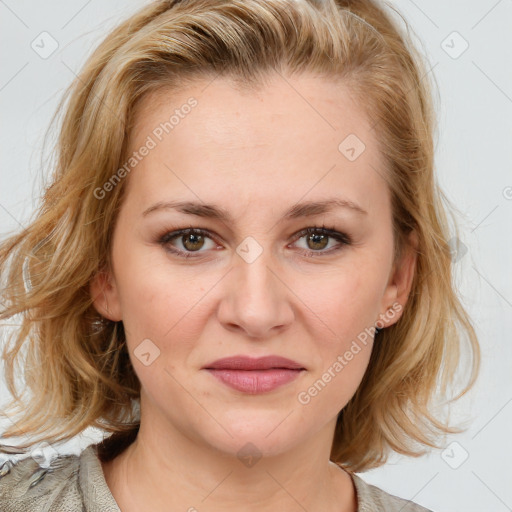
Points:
(168, 236)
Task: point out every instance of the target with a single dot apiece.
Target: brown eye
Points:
(192, 241)
(317, 242)
(185, 242)
(317, 239)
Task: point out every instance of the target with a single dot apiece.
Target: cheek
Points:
(329, 389)
(144, 287)
(344, 307)
(342, 303)
(160, 301)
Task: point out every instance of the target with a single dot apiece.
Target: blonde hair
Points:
(78, 369)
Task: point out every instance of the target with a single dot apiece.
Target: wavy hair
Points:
(76, 365)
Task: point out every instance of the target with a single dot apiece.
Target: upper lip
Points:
(253, 363)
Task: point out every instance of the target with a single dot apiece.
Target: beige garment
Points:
(77, 484)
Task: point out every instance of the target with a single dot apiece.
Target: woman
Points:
(240, 268)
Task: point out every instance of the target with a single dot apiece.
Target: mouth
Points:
(254, 363)
(255, 375)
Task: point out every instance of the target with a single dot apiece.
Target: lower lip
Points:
(256, 381)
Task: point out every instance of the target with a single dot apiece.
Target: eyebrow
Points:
(305, 209)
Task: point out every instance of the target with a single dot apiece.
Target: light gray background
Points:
(473, 158)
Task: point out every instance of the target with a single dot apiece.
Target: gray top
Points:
(74, 483)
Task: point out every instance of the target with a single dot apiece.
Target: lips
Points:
(255, 375)
(251, 363)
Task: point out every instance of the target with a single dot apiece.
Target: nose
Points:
(256, 301)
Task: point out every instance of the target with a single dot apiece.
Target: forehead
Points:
(294, 136)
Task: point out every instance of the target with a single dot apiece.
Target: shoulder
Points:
(24, 485)
(70, 482)
(373, 499)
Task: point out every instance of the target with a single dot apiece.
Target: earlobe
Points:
(104, 295)
(400, 283)
(404, 274)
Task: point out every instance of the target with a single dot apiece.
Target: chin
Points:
(255, 435)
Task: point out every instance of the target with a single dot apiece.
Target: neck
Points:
(167, 471)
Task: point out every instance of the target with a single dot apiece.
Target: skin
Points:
(256, 155)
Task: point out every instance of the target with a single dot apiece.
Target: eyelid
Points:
(331, 232)
(172, 234)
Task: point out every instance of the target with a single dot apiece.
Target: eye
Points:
(317, 239)
(192, 240)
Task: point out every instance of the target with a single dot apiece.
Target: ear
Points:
(399, 284)
(105, 295)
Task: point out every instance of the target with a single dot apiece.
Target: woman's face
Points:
(249, 167)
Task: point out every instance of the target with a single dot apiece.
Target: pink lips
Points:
(255, 375)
